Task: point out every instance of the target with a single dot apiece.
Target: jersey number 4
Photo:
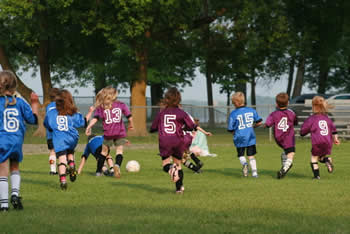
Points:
(11, 123)
(283, 124)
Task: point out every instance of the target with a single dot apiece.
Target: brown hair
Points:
(172, 97)
(65, 104)
(238, 99)
(106, 96)
(53, 93)
(319, 105)
(282, 100)
(8, 85)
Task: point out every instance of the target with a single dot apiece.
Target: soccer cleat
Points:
(316, 178)
(16, 202)
(116, 169)
(174, 173)
(245, 170)
(4, 209)
(200, 165)
(63, 185)
(280, 174)
(53, 173)
(98, 174)
(255, 175)
(72, 174)
(329, 165)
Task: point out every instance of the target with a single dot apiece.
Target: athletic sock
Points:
(71, 163)
(167, 167)
(119, 159)
(191, 166)
(315, 171)
(179, 183)
(52, 161)
(242, 160)
(111, 169)
(252, 163)
(283, 158)
(4, 192)
(100, 163)
(195, 159)
(287, 165)
(15, 182)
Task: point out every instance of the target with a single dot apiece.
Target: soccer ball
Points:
(133, 166)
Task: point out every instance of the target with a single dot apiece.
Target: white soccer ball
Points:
(133, 166)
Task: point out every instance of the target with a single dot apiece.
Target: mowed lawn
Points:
(217, 201)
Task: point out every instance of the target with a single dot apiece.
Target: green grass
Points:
(217, 201)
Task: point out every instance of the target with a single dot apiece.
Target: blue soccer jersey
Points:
(49, 107)
(13, 128)
(241, 122)
(93, 144)
(65, 135)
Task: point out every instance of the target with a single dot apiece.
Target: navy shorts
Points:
(251, 150)
(64, 152)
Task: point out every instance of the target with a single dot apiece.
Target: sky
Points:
(195, 92)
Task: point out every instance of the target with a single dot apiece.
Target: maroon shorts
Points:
(321, 149)
(171, 146)
(187, 141)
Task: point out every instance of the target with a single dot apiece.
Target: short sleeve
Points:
(99, 113)
(154, 126)
(305, 127)
(269, 121)
(257, 118)
(232, 122)
(78, 120)
(125, 110)
(189, 122)
(86, 151)
(28, 115)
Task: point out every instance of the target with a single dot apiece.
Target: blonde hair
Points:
(319, 105)
(238, 99)
(8, 85)
(106, 97)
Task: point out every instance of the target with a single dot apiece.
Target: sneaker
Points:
(53, 172)
(116, 169)
(4, 209)
(255, 175)
(316, 178)
(174, 173)
(281, 173)
(63, 185)
(16, 202)
(72, 174)
(200, 165)
(329, 165)
(98, 174)
(245, 170)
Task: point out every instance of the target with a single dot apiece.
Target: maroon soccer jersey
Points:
(170, 124)
(321, 129)
(112, 121)
(283, 121)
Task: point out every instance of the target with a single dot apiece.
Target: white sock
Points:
(283, 158)
(52, 161)
(242, 160)
(287, 164)
(4, 192)
(252, 163)
(15, 182)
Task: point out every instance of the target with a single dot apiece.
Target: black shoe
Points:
(4, 209)
(316, 178)
(72, 174)
(200, 165)
(63, 185)
(280, 174)
(16, 202)
(53, 173)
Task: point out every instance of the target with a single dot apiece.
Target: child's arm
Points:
(89, 114)
(34, 99)
(205, 132)
(131, 123)
(336, 139)
(88, 128)
(257, 124)
(82, 163)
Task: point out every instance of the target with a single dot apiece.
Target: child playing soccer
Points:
(170, 123)
(111, 111)
(15, 112)
(52, 155)
(323, 135)
(100, 151)
(283, 121)
(63, 123)
(241, 123)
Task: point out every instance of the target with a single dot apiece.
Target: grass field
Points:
(217, 201)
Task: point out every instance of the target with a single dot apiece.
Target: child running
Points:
(15, 112)
(52, 155)
(63, 123)
(283, 121)
(111, 111)
(170, 123)
(241, 123)
(100, 151)
(323, 135)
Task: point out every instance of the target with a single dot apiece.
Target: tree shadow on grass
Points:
(146, 187)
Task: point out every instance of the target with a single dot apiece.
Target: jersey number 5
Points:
(11, 123)
(169, 124)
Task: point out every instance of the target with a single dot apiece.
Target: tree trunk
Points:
(241, 85)
(157, 91)
(252, 91)
(323, 75)
(138, 96)
(290, 75)
(100, 80)
(299, 80)
(228, 103)
(21, 87)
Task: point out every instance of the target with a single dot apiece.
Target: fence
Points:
(340, 114)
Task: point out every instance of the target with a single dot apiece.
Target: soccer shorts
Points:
(64, 152)
(49, 144)
(251, 150)
(116, 142)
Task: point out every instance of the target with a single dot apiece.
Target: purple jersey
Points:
(321, 129)
(113, 125)
(283, 121)
(170, 124)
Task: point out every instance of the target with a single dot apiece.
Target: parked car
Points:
(341, 108)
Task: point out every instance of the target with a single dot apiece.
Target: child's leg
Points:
(62, 168)
(52, 162)
(15, 185)
(314, 167)
(179, 183)
(195, 158)
(71, 166)
(105, 151)
(328, 161)
(289, 162)
(118, 160)
(187, 163)
(4, 186)
(251, 152)
(243, 161)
